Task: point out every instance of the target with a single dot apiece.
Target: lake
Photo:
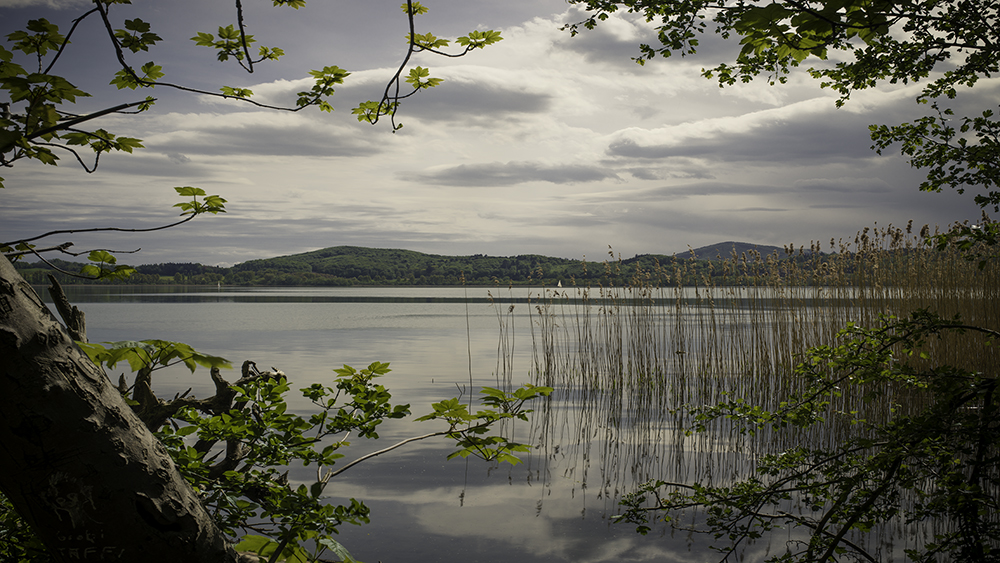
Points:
(555, 506)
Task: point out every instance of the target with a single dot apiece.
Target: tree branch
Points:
(243, 37)
(79, 159)
(57, 268)
(74, 318)
(887, 481)
(61, 248)
(804, 522)
(384, 450)
(388, 100)
(98, 229)
(81, 119)
(65, 42)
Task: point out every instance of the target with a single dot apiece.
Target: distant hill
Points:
(724, 250)
(355, 265)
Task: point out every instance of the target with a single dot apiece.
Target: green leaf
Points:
(236, 92)
(152, 353)
(231, 33)
(8, 140)
(428, 41)
(136, 36)
(337, 549)
(136, 25)
(204, 39)
(102, 256)
(126, 144)
(189, 191)
(316, 489)
(479, 39)
(419, 78)
(152, 71)
(417, 8)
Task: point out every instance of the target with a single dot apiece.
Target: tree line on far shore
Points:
(351, 265)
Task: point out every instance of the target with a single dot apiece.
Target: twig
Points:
(384, 450)
(65, 42)
(98, 229)
(243, 37)
(81, 119)
(61, 248)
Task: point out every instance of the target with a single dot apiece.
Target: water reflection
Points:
(627, 361)
(424, 507)
(621, 368)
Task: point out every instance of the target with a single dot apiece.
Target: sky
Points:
(541, 144)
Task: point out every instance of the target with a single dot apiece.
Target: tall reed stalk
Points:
(632, 356)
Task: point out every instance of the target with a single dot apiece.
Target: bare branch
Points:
(384, 450)
(243, 37)
(65, 42)
(98, 229)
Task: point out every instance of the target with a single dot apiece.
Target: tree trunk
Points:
(76, 462)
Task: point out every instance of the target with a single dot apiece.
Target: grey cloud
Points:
(827, 138)
(580, 219)
(495, 174)
(693, 174)
(680, 172)
(460, 100)
(177, 167)
(719, 188)
(651, 207)
(838, 206)
(843, 185)
(645, 174)
(271, 140)
(334, 218)
(652, 220)
(673, 193)
(759, 209)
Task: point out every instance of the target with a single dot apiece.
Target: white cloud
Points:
(542, 143)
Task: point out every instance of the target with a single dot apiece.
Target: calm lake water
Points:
(556, 506)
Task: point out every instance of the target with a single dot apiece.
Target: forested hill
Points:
(726, 250)
(349, 265)
(354, 265)
(375, 265)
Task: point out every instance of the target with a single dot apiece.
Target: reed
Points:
(632, 353)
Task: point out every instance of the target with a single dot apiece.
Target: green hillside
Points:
(354, 265)
(725, 250)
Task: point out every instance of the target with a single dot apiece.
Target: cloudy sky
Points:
(544, 143)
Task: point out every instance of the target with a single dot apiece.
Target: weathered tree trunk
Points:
(76, 462)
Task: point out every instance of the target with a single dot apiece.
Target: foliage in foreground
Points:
(34, 119)
(933, 466)
(236, 447)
